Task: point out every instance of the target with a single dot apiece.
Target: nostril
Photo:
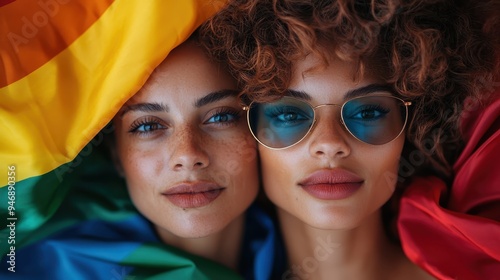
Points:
(178, 165)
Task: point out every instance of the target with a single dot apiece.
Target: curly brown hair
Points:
(438, 53)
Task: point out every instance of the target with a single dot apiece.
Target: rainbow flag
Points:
(66, 68)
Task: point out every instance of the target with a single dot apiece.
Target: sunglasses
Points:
(374, 119)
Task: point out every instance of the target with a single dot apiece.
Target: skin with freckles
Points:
(185, 132)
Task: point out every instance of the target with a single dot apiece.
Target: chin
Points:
(196, 232)
(330, 218)
(331, 224)
(198, 227)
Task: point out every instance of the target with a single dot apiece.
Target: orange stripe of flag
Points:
(27, 27)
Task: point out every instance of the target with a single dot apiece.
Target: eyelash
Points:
(134, 128)
(224, 111)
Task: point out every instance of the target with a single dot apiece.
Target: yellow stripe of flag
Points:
(50, 114)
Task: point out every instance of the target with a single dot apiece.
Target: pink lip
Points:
(193, 194)
(332, 184)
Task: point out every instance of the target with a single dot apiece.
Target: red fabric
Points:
(459, 240)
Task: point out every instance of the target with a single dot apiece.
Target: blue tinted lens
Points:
(281, 123)
(374, 119)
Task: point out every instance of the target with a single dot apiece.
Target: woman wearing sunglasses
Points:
(353, 100)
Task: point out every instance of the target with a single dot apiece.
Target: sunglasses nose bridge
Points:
(315, 121)
(325, 105)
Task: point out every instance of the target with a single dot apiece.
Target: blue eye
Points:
(283, 116)
(289, 117)
(146, 126)
(221, 118)
(224, 116)
(369, 113)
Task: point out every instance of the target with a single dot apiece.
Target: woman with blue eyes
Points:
(353, 102)
(190, 167)
(325, 168)
(190, 163)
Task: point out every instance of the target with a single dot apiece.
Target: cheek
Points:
(383, 168)
(277, 170)
(236, 152)
(235, 157)
(142, 184)
(141, 169)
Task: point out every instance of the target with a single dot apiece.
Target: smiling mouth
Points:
(193, 195)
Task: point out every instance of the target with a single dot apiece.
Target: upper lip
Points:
(192, 187)
(331, 176)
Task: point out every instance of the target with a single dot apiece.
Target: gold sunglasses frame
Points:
(405, 103)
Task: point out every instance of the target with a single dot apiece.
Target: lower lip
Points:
(332, 191)
(193, 200)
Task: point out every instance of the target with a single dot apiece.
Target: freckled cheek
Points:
(236, 156)
(141, 166)
(246, 146)
(144, 182)
(237, 146)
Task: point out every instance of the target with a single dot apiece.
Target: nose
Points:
(188, 153)
(328, 139)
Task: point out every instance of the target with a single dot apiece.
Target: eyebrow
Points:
(145, 107)
(160, 107)
(371, 88)
(214, 97)
(365, 90)
(297, 94)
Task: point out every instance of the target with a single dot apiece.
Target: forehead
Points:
(187, 71)
(333, 74)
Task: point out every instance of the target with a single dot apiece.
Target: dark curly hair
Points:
(438, 53)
